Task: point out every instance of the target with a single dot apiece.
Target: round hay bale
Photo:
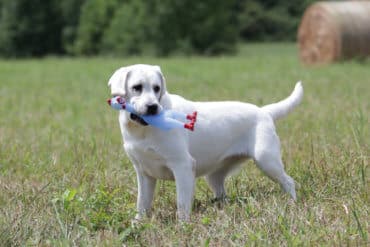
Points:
(332, 31)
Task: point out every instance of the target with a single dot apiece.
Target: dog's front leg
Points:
(185, 182)
(146, 186)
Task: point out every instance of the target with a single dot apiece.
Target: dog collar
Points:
(138, 119)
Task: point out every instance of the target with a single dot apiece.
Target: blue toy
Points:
(165, 120)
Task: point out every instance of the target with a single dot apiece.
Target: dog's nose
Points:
(152, 109)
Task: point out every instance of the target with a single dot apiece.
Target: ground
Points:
(65, 180)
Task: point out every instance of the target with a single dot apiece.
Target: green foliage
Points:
(270, 20)
(30, 28)
(103, 209)
(71, 14)
(129, 30)
(131, 27)
(214, 27)
(172, 26)
(94, 19)
(202, 27)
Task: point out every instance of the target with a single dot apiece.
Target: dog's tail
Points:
(282, 108)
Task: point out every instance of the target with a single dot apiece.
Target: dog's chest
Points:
(148, 161)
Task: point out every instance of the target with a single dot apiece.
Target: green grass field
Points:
(65, 180)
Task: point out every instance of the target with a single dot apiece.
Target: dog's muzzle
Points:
(152, 109)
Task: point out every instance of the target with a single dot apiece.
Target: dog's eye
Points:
(156, 89)
(137, 88)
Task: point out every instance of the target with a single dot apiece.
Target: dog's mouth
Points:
(138, 119)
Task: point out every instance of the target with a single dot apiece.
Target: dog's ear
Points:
(163, 81)
(117, 82)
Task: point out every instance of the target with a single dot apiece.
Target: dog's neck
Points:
(138, 119)
(131, 129)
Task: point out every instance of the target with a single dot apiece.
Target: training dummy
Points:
(165, 120)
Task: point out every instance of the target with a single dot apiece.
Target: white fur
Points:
(225, 135)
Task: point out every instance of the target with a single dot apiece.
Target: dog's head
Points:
(142, 85)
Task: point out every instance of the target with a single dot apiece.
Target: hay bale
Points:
(332, 31)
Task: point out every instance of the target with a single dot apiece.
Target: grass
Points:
(65, 181)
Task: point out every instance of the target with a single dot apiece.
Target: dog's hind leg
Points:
(216, 182)
(274, 170)
(268, 158)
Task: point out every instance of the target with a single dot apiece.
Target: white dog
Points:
(226, 134)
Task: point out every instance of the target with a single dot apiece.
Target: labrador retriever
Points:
(226, 134)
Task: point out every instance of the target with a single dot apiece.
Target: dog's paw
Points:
(220, 201)
(137, 221)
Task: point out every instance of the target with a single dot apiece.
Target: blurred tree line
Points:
(130, 27)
